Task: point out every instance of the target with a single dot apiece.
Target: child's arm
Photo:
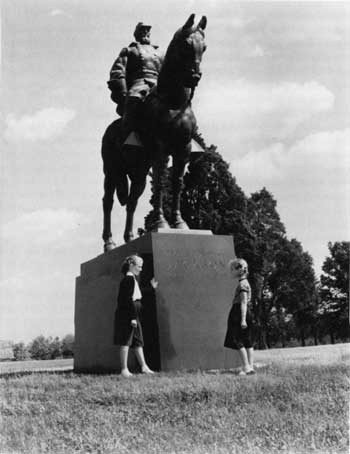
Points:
(244, 303)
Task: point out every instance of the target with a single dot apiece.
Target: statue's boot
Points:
(129, 122)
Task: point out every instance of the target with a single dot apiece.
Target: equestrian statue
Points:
(153, 95)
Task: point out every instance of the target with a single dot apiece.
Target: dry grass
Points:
(293, 405)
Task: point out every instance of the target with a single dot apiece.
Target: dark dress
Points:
(236, 337)
(127, 310)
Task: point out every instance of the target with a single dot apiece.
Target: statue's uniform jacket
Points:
(135, 70)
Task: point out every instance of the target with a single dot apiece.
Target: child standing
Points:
(239, 325)
(127, 326)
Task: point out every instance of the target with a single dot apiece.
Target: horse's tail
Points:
(113, 167)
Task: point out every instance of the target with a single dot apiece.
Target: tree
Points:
(55, 347)
(293, 285)
(20, 352)
(39, 348)
(211, 198)
(334, 291)
(68, 346)
(267, 237)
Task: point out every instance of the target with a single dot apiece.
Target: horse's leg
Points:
(107, 201)
(138, 184)
(159, 167)
(179, 164)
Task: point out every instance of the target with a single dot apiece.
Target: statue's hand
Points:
(121, 105)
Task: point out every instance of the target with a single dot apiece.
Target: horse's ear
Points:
(202, 23)
(189, 22)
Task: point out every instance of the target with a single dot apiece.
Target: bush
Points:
(39, 348)
(20, 352)
(68, 346)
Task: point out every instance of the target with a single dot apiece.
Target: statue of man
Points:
(133, 74)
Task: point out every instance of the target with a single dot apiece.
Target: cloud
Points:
(34, 303)
(310, 181)
(239, 111)
(256, 51)
(42, 125)
(59, 12)
(317, 159)
(320, 30)
(41, 226)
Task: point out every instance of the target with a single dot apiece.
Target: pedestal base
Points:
(185, 321)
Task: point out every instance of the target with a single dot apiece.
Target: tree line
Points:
(44, 348)
(290, 306)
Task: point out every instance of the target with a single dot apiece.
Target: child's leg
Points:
(124, 351)
(244, 358)
(141, 359)
(250, 354)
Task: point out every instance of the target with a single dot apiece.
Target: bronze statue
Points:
(133, 74)
(165, 123)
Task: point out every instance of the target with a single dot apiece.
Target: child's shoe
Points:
(250, 372)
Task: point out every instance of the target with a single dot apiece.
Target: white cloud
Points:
(256, 51)
(317, 30)
(42, 125)
(238, 22)
(310, 181)
(59, 12)
(238, 111)
(34, 303)
(41, 226)
(317, 158)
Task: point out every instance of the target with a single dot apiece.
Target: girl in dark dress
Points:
(239, 324)
(127, 326)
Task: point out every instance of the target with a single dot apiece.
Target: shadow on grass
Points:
(25, 373)
(66, 372)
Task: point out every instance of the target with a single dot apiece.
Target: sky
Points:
(274, 98)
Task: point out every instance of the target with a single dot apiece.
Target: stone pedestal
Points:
(184, 320)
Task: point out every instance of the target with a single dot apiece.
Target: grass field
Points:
(297, 403)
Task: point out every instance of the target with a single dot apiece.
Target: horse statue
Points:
(165, 125)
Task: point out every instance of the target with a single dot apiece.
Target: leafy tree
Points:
(55, 347)
(266, 240)
(211, 198)
(68, 346)
(39, 348)
(293, 285)
(20, 352)
(334, 291)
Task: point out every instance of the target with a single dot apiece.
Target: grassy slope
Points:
(292, 406)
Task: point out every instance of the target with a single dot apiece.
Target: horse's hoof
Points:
(179, 223)
(128, 237)
(109, 245)
(160, 224)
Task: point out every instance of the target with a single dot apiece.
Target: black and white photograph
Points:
(175, 227)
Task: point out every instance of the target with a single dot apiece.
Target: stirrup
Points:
(133, 139)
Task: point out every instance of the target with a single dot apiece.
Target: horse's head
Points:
(185, 51)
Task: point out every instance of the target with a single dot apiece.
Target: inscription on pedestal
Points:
(184, 326)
